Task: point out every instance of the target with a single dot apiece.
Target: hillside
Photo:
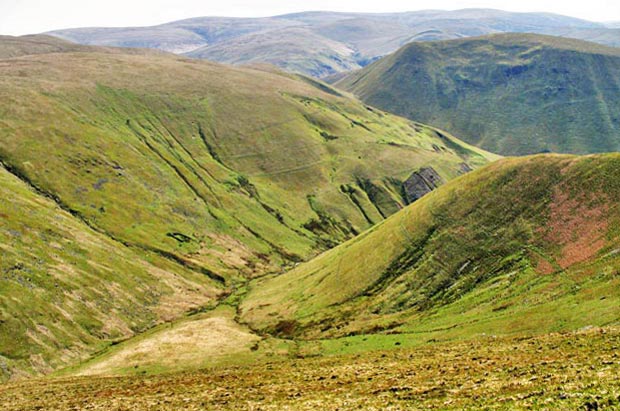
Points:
(65, 288)
(609, 36)
(19, 46)
(508, 93)
(295, 49)
(164, 183)
(522, 246)
(325, 43)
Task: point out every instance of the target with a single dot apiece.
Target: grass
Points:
(67, 290)
(200, 341)
(523, 245)
(503, 373)
(508, 93)
(158, 224)
(157, 185)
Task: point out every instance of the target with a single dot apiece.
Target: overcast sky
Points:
(35, 16)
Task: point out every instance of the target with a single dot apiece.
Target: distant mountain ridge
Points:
(325, 43)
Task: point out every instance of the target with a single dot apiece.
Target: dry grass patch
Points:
(200, 341)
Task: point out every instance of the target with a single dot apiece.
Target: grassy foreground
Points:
(564, 371)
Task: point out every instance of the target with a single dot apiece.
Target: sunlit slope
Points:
(508, 93)
(522, 245)
(233, 171)
(65, 289)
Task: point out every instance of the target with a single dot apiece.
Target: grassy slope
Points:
(25, 45)
(65, 289)
(523, 245)
(508, 93)
(204, 340)
(191, 158)
(210, 173)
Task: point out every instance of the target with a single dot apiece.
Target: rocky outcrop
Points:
(464, 168)
(420, 183)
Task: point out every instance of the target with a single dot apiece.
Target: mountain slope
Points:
(607, 36)
(66, 288)
(508, 93)
(295, 49)
(525, 245)
(163, 152)
(38, 44)
(325, 43)
(165, 181)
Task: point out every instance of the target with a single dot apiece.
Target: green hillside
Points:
(507, 93)
(165, 182)
(65, 288)
(522, 246)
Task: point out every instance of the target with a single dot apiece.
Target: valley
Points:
(316, 210)
(217, 174)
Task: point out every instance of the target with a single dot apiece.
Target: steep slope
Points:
(159, 184)
(325, 43)
(508, 93)
(65, 288)
(224, 168)
(527, 245)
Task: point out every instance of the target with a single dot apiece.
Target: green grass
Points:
(511, 94)
(522, 246)
(174, 181)
(66, 289)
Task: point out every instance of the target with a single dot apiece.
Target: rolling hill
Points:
(509, 93)
(518, 250)
(523, 246)
(325, 43)
(144, 186)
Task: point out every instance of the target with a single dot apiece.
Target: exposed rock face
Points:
(465, 168)
(420, 183)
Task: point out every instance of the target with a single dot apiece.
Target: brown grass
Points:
(577, 225)
(557, 371)
(184, 345)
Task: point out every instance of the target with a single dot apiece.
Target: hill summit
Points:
(509, 93)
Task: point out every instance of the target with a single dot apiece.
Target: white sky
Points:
(34, 16)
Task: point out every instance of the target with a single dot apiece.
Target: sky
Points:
(19, 17)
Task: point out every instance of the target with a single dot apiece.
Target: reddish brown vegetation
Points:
(577, 226)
